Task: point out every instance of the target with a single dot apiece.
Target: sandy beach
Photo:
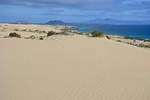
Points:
(70, 67)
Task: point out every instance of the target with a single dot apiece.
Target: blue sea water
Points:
(134, 31)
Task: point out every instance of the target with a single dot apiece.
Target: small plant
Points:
(141, 45)
(144, 46)
(63, 33)
(50, 33)
(37, 31)
(146, 40)
(118, 40)
(14, 35)
(96, 33)
(108, 37)
(43, 32)
(41, 38)
(24, 30)
(30, 30)
(76, 32)
(66, 29)
(32, 37)
(128, 37)
(16, 29)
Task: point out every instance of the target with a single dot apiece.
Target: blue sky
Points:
(74, 10)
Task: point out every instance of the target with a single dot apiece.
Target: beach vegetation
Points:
(146, 40)
(108, 37)
(16, 29)
(30, 30)
(43, 32)
(144, 46)
(131, 38)
(32, 37)
(14, 35)
(41, 38)
(96, 33)
(119, 41)
(63, 33)
(77, 32)
(125, 37)
(50, 33)
(66, 29)
(24, 30)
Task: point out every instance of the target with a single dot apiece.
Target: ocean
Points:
(133, 31)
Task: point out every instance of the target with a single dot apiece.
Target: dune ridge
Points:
(73, 68)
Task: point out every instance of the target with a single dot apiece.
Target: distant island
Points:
(20, 22)
(56, 22)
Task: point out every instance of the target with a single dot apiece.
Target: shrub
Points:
(66, 29)
(50, 33)
(146, 40)
(119, 41)
(32, 37)
(125, 37)
(96, 33)
(14, 35)
(63, 33)
(76, 32)
(43, 32)
(16, 29)
(36, 30)
(108, 37)
(30, 30)
(24, 30)
(144, 46)
(41, 38)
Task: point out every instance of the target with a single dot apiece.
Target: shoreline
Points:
(75, 28)
(36, 31)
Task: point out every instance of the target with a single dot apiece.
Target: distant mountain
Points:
(56, 22)
(21, 22)
(59, 22)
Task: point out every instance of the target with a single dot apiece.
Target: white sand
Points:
(73, 68)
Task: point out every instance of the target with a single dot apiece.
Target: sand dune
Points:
(73, 68)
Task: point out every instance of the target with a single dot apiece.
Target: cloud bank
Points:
(75, 10)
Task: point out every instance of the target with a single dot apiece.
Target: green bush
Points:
(96, 33)
(144, 46)
(146, 40)
(14, 35)
(50, 33)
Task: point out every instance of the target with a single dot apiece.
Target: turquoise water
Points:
(134, 31)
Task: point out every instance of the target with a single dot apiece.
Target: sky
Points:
(41, 11)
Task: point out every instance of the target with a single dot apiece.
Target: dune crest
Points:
(73, 68)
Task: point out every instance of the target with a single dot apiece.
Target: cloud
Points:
(62, 3)
(76, 10)
(135, 2)
(106, 5)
